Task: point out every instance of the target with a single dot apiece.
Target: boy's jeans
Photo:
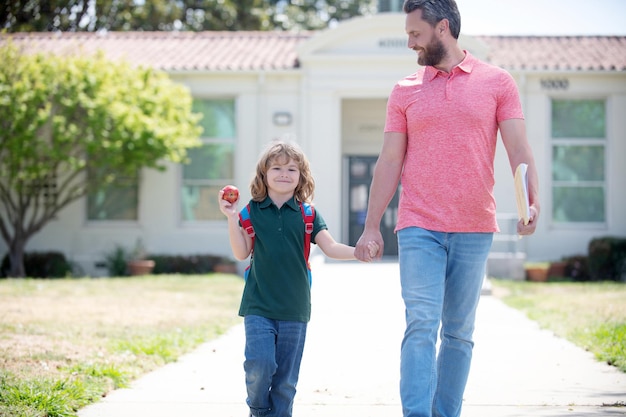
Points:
(441, 276)
(273, 355)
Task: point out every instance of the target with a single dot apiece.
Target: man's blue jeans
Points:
(273, 355)
(441, 276)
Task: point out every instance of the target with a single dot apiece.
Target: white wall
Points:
(336, 99)
(552, 241)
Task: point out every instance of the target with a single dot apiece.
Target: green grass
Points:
(592, 315)
(66, 343)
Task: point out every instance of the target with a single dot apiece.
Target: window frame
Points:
(573, 142)
(208, 140)
(113, 222)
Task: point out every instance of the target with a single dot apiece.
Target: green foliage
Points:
(172, 315)
(70, 125)
(104, 372)
(115, 261)
(43, 397)
(184, 264)
(609, 341)
(591, 314)
(77, 110)
(577, 268)
(314, 14)
(164, 348)
(41, 265)
(194, 15)
(607, 258)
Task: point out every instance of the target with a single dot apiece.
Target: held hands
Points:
(373, 249)
(370, 246)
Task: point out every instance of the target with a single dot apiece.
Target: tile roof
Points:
(564, 53)
(180, 51)
(253, 51)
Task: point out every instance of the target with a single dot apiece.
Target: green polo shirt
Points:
(278, 282)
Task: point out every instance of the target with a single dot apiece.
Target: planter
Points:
(557, 269)
(537, 274)
(140, 266)
(226, 268)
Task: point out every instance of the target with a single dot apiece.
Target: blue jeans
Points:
(273, 355)
(441, 276)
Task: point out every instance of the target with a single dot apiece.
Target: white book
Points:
(521, 192)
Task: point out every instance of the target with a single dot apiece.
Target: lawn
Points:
(592, 315)
(65, 343)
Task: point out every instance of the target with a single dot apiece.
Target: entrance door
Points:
(360, 172)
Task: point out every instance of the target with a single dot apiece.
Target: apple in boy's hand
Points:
(231, 193)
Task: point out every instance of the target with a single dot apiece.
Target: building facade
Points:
(328, 90)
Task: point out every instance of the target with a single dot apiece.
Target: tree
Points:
(191, 15)
(72, 125)
(317, 14)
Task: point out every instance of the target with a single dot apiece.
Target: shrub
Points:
(41, 265)
(607, 258)
(576, 268)
(184, 264)
(115, 262)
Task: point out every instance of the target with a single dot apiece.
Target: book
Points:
(521, 192)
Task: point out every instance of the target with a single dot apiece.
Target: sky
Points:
(543, 17)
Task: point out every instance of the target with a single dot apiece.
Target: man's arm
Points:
(518, 149)
(384, 184)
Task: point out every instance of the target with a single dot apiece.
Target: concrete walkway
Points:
(351, 363)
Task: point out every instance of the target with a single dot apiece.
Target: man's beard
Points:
(432, 54)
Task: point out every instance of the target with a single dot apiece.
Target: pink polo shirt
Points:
(451, 124)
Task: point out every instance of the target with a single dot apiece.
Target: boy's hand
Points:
(226, 207)
(373, 249)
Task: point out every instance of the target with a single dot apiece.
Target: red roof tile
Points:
(177, 51)
(576, 53)
(250, 51)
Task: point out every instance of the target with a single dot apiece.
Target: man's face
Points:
(423, 39)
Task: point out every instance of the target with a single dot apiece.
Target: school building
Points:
(327, 90)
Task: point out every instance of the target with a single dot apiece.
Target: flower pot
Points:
(226, 268)
(140, 266)
(537, 274)
(557, 269)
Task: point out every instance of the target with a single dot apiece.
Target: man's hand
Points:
(528, 229)
(370, 246)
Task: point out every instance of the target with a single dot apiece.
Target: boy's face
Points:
(283, 176)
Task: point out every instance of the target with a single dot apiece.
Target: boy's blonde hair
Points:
(282, 152)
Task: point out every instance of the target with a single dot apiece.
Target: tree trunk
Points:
(16, 258)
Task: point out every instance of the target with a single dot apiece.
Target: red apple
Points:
(231, 193)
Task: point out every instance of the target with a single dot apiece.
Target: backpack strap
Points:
(246, 223)
(308, 214)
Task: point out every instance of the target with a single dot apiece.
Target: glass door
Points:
(360, 172)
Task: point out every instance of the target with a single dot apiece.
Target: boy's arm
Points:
(240, 242)
(340, 251)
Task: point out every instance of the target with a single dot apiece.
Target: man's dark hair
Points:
(434, 11)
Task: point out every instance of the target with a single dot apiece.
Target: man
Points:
(440, 139)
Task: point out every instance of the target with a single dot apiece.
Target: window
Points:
(45, 190)
(213, 164)
(114, 202)
(578, 161)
